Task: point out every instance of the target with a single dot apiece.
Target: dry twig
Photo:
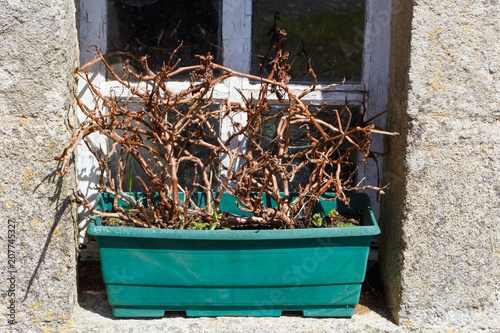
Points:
(158, 134)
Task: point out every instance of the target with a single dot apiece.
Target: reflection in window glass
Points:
(187, 172)
(157, 27)
(299, 140)
(329, 32)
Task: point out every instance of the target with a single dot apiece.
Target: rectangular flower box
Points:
(236, 272)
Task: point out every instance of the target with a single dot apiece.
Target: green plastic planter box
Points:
(236, 272)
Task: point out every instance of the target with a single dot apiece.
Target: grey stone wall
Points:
(443, 209)
(38, 52)
(395, 170)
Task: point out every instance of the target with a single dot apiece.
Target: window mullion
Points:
(237, 34)
(376, 77)
(237, 46)
(93, 31)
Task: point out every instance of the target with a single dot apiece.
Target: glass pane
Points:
(299, 140)
(157, 27)
(329, 32)
(187, 170)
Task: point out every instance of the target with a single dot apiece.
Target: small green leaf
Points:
(333, 213)
(200, 226)
(318, 220)
(215, 215)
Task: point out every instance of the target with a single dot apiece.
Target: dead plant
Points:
(158, 134)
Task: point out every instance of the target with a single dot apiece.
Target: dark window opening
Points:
(299, 141)
(330, 33)
(157, 27)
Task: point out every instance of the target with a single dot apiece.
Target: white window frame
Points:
(237, 33)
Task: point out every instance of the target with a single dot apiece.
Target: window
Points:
(344, 38)
(330, 33)
(157, 28)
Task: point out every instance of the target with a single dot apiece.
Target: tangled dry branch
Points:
(159, 134)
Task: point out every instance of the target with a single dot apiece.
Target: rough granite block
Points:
(38, 52)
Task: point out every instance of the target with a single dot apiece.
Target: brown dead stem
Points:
(158, 134)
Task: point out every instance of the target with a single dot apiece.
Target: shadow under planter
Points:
(237, 272)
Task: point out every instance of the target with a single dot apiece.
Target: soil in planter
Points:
(233, 222)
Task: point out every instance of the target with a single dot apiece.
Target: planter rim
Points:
(96, 229)
(372, 229)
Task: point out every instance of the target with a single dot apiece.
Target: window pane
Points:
(300, 142)
(157, 27)
(187, 170)
(329, 32)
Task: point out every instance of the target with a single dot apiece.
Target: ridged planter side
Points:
(236, 272)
